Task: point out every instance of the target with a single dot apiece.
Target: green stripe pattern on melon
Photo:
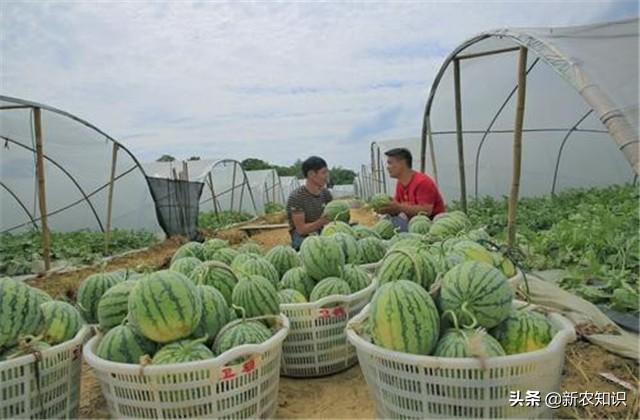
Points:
(165, 306)
(407, 264)
(291, 296)
(216, 313)
(332, 228)
(260, 267)
(216, 274)
(91, 290)
(20, 312)
(224, 255)
(283, 258)
(257, 296)
(190, 249)
(210, 247)
(337, 210)
(298, 279)
(244, 332)
(114, 304)
(121, 344)
(356, 277)
(185, 265)
(181, 352)
(404, 318)
(329, 287)
(468, 343)
(477, 293)
(62, 321)
(371, 250)
(524, 331)
(361, 232)
(251, 248)
(420, 224)
(350, 248)
(322, 257)
(385, 229)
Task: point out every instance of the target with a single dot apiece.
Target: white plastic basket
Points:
(47, 386)
(317, 344)
(414, 386)
(202, 389)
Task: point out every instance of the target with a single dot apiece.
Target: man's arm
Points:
(306, 228)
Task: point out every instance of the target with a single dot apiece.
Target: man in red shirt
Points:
(416, 192)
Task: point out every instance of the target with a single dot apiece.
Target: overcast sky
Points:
(273, 81)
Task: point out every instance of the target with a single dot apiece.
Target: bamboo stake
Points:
(463, 181)
(517, 146)
(213, 195)
(185, 171)
(432, 150)
(42, 197)
(114, 158)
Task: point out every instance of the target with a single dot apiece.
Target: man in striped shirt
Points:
(305, 205)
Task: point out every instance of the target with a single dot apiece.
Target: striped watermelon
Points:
(329, 287)
(27, 345)
(404, 318)
(185, 265)
(322, 257)
(114, 305)
(504, 264)
(291, 296)
(472, 251)
(91, 290)
(468, 343)
(407, 264)
(121, 344)
(215, 313)
(371, 250)
(182, 351)
(361, 232)
(349, 246)
(298, 279)
(224, 255)
(356, 277)
(218, 275)
(478, 235)
(476, 290)
(338, 210)
(251, 248)
(524, 331)
(20, 312)
(190, 249)
(283, 258)
(41, 295)
(242, 258)
(420, 224)
(210, 247)
(379, 200)
(385, 229)
(337, 227)
(408, 243)
(257, 296)
(260, 267)
(448, 224)
(244, 332)
(62, 321)
(165, 306)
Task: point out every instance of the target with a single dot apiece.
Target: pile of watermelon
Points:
(443, 293)
(31, 321)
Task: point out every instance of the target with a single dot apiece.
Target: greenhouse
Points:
(289, 184)
(267, 188)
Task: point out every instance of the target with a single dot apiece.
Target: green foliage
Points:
(338, 175)
(211, 220)
(166, 158)
(341, 176)
(272, 207)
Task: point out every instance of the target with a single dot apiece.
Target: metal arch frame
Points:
(64, 171)
(378, 176)
(560, 150)
(26, 210)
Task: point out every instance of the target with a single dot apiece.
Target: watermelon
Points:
(257, 296)
(349, 246)
(182, 351)
(322, 257)
(408, 243)
(329, 287)
(218, 275)
(283, 258)
(356, 277)
(261, 267)
(504, 264)
(524, 331)
(420, 224)
(62, 321)
(40, 294)
(477, 293)
(165, 306)
(185, 265)
(91, 290)
(242, 258)
(337, 210)
(27, 345)
(121, 344)
(20, 312)
(407, 264)
(251, 248)
(225, 255)
(385, 229)
(377, 201)
(298, 279)
(472, 251)
(210, 247)
(404, 318)
(361, 232)
(478, 235)
(190, 249)
(244, 332)
(337, 227)
(215, 313)
(291, 296)
(468, 343)
(114, 305)
(448, 224)
(372, 250)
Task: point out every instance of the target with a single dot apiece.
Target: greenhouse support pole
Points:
(233, 184)
(517, 146)
(185, 170)
(432, 151)
(213, 195)
(373, 162)
(463, 181)
(112, 176)
(42, 196)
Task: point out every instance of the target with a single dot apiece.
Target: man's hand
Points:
(393, 208)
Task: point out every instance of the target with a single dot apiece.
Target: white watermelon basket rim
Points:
(317, 345)
(161, 391)
(59, 368)
(443, 386)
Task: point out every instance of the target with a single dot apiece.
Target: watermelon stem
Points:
(453, 317)
(466, 311)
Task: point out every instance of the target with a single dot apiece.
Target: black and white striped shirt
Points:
(312, 205)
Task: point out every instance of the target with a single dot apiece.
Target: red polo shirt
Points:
(421, 190)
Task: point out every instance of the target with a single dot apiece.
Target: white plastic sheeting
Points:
(266, 187)
(382, 182)
(289, 184)
(341, 191)
(77, 169)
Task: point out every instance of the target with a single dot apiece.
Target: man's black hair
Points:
(313, 163)
(402, 154)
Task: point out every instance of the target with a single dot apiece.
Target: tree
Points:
(253, 164)
(166, 158)
(341, 176)
(194, 158)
